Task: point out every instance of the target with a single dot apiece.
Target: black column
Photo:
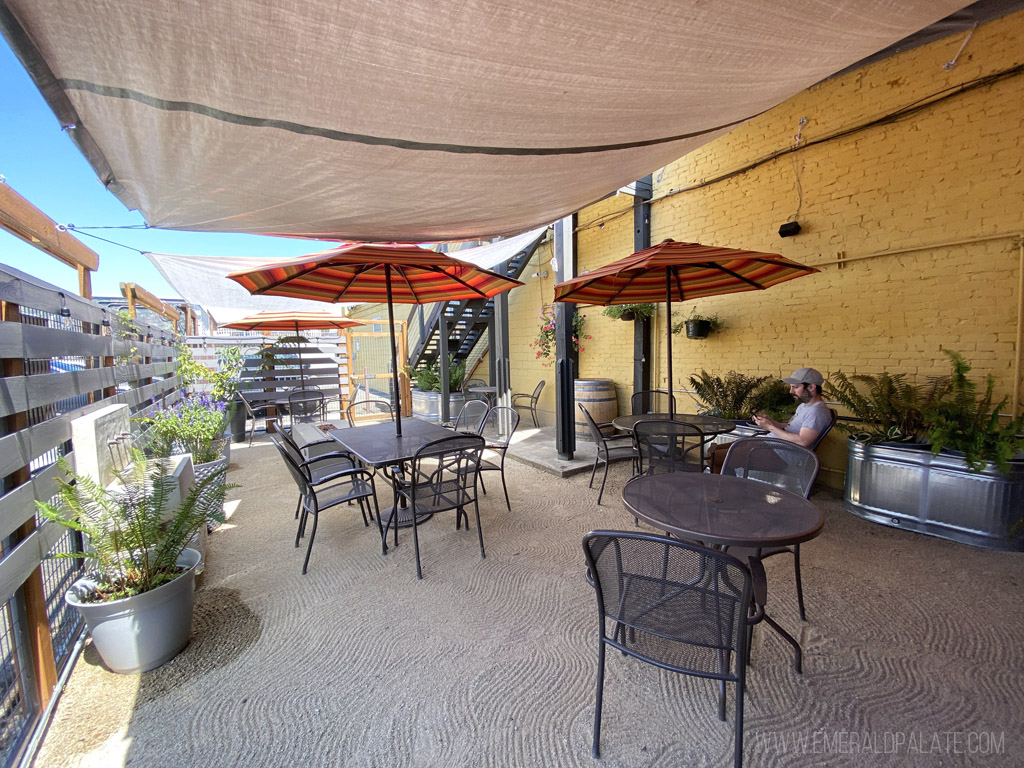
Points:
(566, 356)
(642, 329)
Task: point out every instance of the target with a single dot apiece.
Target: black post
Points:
(642, 329)
(397, 398)
(444, 413)
(298, 349)
(668, 345)
(566, 356)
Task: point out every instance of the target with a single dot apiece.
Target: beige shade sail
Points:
(419, 121)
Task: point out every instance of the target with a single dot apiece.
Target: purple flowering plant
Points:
(195, 424)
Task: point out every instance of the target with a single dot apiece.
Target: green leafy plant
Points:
(630, 311)
(134, 536)
(736, 395)
(963, 421)
(428, 378)
(125, 327)
(544, 344)
(195, 425)
(889, 408)
(716, 325)
(225, 380)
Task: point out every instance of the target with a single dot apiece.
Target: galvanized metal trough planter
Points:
(910, 487)
(426, 404)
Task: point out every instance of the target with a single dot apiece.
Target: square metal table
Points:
(377, 446)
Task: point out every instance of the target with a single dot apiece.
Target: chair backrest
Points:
(248, 408)
(498, 426)
(444, 472)
(776, 462)
(669, 446)
(536, 392)
(305, 404)
(292, 447)
(651, 401)
(470, 383)
(471, 417)
(655, 593)
(821, 435)
(595, 431)
(294, 469)
(369, 410)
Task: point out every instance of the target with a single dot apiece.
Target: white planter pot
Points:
(139, 633)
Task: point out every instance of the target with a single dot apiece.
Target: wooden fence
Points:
(62, 356)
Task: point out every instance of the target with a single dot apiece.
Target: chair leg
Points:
(503, 486)
(479, 529)
(799, 583)
(740, 686)
(298, 506)
(309, 547)
(596, 749)
(603, 481)
(416, 541)
(592, 473)
(533, 412)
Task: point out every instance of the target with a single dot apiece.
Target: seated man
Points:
(812, 416)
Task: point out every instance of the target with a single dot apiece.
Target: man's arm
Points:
(805, 437)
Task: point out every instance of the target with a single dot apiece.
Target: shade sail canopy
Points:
(419, 120)
(680, 271)
(292, 321)
(371, 272)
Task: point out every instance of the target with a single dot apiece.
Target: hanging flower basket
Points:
(697, 329)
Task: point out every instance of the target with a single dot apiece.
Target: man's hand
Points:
(765, 422)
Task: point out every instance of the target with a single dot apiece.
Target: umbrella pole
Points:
(394, 354)
(668, 328)
(298, 349)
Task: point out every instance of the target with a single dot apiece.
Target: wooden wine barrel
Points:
(598, 397)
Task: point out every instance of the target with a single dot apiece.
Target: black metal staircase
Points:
(467, 320)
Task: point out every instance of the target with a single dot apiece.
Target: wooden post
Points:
(37, 628)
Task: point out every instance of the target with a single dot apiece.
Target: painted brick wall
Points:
(951, 172)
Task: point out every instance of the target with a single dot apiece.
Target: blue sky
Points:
(40, 163)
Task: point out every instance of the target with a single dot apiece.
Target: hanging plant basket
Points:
(628, 316)
(697, 329)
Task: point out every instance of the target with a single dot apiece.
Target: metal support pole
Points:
(500, 350)
(567, 359)
(642, 329)
(442, 352)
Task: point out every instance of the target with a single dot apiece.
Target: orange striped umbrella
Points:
(365, 272)
(296, 321)
(672, 271)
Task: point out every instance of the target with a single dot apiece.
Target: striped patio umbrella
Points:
(293, 321)
(394, 273)
(672, 271)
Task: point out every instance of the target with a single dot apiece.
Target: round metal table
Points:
(709, 425)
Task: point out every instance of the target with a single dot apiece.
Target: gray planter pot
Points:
(139, 633)
(204, 471)
(907, 486)
(427, 404)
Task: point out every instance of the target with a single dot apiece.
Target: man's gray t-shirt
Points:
(814, 416)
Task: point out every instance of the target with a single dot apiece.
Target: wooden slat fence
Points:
(62, 356)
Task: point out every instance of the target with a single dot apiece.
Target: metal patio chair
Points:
(497, 428)
(529, 402)
(657, 402)
(782, 464)
(678, 606)
(610, 447)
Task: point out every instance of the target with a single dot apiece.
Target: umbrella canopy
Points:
(672, 271)
(368, 272)
(292, 321)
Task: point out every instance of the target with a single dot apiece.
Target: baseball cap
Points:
(805, 376)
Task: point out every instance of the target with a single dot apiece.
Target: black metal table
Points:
(725, 511)
(709, 425)
(377, 446)
(491, 393)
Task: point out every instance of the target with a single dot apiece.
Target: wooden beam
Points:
(137, 295)
(22, 219)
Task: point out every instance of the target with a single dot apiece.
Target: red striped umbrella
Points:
(672, 271)
(296, 321)
(366, 272)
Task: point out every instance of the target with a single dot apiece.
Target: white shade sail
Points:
(419, 120)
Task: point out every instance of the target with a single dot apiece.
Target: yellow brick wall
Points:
(949, 172)
(524, 306)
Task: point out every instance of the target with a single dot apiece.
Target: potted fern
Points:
(629, 312)
(736, 395)
(969, 487)
(136, 596)
(698, 326)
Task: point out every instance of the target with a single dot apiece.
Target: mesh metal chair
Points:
(529, 402)
(497, 428)
(821, 435)
(255, 413)
(784, 465)
(469, 384)
(306, 405)
(678, 606)
(610, 447)
(443, 477)
(368, 411)
(330, 490)
(668, 446)
(471, 417)
(651, 401)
